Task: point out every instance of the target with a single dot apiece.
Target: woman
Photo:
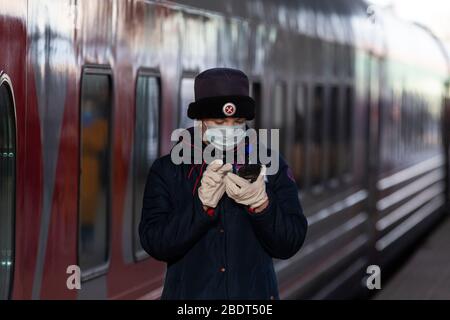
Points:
(217, 231)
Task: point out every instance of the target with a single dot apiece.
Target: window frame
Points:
(284, 91)
(185, 74)
(139, 254)
(101, 269)
(6, 81)
(257, 121)
(302, 85)
(347, 175)
(283, 84)
(317, 188)
(332, 182)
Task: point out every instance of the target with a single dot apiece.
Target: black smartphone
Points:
(249, 172)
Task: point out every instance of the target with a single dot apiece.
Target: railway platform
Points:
(425, 274)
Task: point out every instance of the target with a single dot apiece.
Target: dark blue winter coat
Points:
(228, 255)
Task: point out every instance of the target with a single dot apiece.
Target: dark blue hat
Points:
(222, 93)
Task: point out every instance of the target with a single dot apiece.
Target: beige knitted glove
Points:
(212, 185)
(244, 192)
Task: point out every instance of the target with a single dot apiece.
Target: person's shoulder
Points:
(163, 163)
(278, 169)
(275, 156)
(163, 170)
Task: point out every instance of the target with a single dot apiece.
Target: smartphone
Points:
(249, 172)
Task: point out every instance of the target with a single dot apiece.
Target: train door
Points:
(372, 143)
(7, 185)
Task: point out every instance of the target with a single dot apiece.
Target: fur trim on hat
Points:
(213, 107)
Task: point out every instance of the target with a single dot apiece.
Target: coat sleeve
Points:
(168, 229)
(281, 227)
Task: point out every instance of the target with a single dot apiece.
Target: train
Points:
(91, 90)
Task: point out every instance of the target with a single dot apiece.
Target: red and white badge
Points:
(229, 109)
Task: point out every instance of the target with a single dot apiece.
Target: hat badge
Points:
(229, 109)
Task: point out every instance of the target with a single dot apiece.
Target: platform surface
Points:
(426, 274)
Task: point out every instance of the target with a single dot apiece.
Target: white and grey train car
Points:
(358, 96)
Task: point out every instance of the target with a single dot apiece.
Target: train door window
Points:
(279, 112)
(146, 145)
(298, 147)
(186, 97)
(317, 151)
(255, 93)
(95, 160)
(333, 135)
(347, 145)
(7, 186)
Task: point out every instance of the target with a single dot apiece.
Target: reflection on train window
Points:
(421, 127)
(405, 112)
(255, 93)
(146, 145)
(279, 112)
(418, 124)
(186, 97)
(336, 58)
(410, 126)
(347, 146)
(396, 121)
(349, 60)
(298, 149)
(317, 135)
(94, 214)
(333, 134)
(7, 188)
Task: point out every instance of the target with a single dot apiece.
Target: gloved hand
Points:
(244, 192)
(212, 185)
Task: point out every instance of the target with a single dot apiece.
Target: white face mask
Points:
(225, 137)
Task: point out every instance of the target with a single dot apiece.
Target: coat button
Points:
(222, 269)
(272, 298)
(221, 230)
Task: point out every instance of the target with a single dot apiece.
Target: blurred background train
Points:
(90, 92)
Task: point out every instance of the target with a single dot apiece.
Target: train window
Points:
(95, 158)
(421, 124)
(255, 93)
(7, 186)
(146, 145)
(279, 112)
(318, 61)
(333, 134)
(186, 97)
(317, 136)
(349, 60)
(298, 149)
(396, 123)
(347, 146)
(336, 57)
(404, 112)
